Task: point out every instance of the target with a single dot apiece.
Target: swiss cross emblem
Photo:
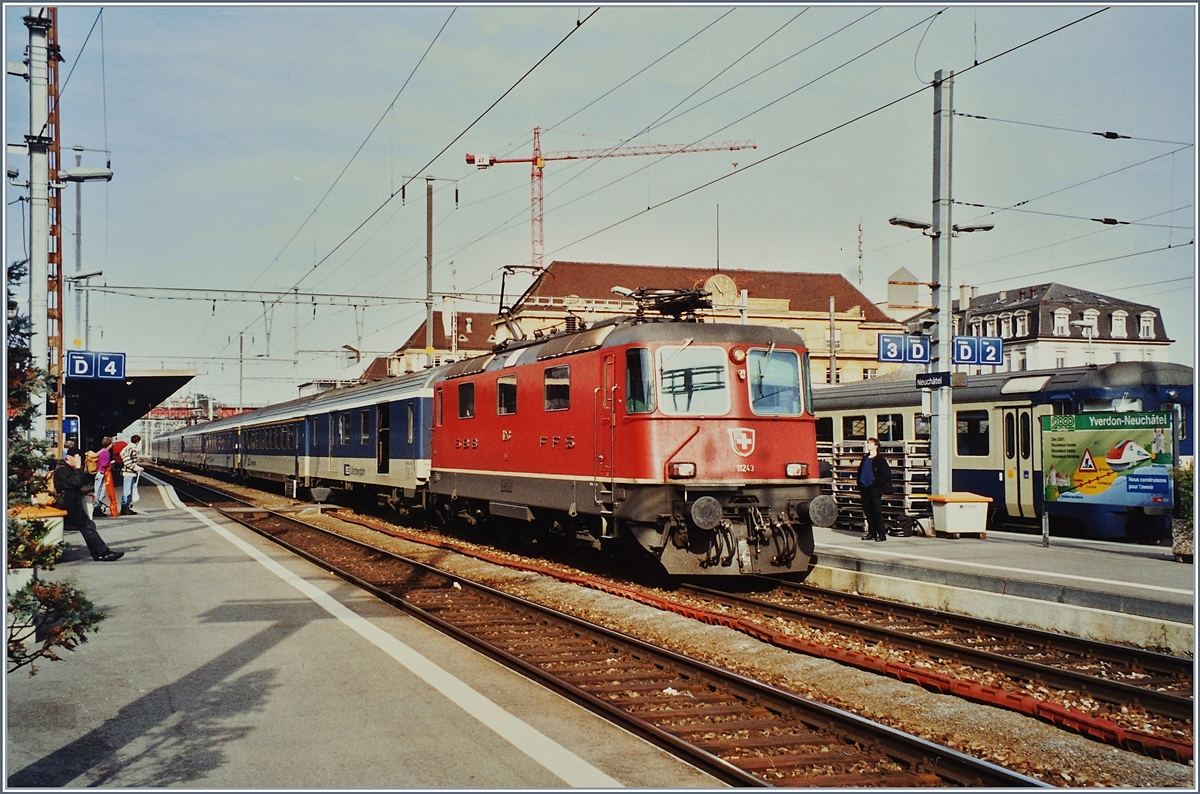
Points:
(742, 439)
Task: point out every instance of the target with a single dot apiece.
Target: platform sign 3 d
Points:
(903, 349)
(987, 351)
(85, 364)
(1108, 458)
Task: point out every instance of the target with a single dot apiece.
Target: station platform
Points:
(227, 663)
(1114, 592)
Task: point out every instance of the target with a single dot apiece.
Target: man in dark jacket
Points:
(70, 482)
(874, 480)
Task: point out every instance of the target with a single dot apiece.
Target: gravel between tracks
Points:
(1003, 737)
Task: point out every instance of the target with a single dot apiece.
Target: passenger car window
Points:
(854, 428)
(557, 382)
(973, 434)
(889, 427)
(774, 382)
(693, 380)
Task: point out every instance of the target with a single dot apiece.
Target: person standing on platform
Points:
(118, 470)
(106, 493)
(131, 470)
(70, 482)
(874, 480)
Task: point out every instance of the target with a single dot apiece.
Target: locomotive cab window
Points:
(774, 382)
(854, 428)
(506, 395)
(639, 381)
(693, 380)
(972, 434)
(466, 400)
(558, 388)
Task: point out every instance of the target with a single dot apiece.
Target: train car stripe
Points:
(551, 755)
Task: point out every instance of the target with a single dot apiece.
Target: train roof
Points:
(1010, 385)
(358, 394)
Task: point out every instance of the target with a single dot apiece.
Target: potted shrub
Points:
(1184, 517)
(50, 614)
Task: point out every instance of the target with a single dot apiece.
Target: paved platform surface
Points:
(1118, 577)
(227, 663)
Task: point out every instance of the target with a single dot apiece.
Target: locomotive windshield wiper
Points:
(762, 373)
(663, 368)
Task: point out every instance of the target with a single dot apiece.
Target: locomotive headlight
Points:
(737, 355)
(797, 470)
(682, 471)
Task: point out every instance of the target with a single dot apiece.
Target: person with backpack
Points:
(106, 492)
(118, 470)
(70, 483)
(132, 471)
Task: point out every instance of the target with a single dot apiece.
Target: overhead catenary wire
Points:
(1105, 221)
(358, 151)
(1108, 135)
(433, 159)
(1092, 262)
(829, 131)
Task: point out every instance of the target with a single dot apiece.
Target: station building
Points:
(570, 295)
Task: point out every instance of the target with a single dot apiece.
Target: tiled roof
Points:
(807, 292)
(476, 338)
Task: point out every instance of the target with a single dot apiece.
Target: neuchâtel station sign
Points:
(1109, 458)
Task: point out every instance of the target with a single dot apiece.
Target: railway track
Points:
(741, 731)
(1120, 676)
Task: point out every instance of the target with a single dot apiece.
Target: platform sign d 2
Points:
(1108, 458)
(987, 351)
(110, 366)
(903, 349)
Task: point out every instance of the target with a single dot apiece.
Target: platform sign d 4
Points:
(903, 349)
(84, 364)
(1108, 458)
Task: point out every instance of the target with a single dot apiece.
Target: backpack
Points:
(91, 462)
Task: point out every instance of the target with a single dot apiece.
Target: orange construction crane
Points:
(538, 162)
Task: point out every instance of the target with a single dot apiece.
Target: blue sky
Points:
(228, 128)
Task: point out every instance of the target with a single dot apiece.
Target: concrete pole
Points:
(79, 248)
(39, 202)
(942, 430)
(428, 271)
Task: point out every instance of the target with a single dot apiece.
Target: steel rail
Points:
(930, 761)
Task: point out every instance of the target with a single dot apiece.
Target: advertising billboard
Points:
(1108, 458)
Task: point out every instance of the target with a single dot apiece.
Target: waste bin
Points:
(959, 513)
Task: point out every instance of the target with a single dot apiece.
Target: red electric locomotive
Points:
(695, 440)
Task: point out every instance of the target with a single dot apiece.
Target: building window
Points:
(506, 395)
(870, 373)
(1146, 328)
(1092, 318)
(1062, 322)
(973, 434)
(976, 328)
(1022, 361)
(1060, 359)
(837, 376)
(854, 428)
(1005, 326)
(1008, 362)
(1022, 320)
(466, 400)
(825, 429)
(991, 325)
(1116, 356)
(1118, 325)
(558, 388)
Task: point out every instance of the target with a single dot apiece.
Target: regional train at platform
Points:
(688, 443)
(996, 435)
